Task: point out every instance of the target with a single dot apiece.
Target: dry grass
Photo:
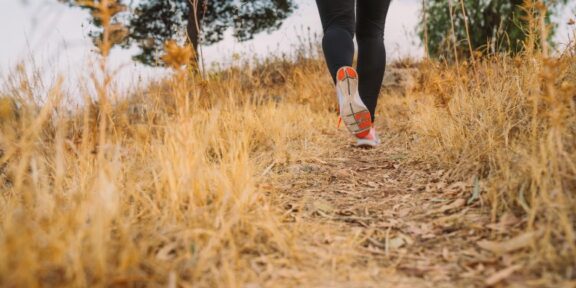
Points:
(509, 122)
(178, 191)
(172, 193)
(169, 186)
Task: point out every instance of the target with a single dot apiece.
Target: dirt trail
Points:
(416, 229)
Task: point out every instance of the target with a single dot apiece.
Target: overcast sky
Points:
(55, 37)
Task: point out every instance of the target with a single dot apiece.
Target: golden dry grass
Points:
(170, 186)
(509, 122)
(172, 191)
(178, 192)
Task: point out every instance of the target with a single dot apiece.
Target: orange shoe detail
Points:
(351, 72)
(363, 134)
(341, 75)
(365, 125)
(364, 120)
(339, 121)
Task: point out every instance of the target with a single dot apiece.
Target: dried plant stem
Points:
(472, 56)
(426, 39)
(453, 30)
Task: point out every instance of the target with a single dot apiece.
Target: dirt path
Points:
(415, 228)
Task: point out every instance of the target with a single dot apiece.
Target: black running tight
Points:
(340, 25)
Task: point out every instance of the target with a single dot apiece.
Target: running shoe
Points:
(371, 140)
(353, 112)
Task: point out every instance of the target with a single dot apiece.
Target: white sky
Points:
(55, 37)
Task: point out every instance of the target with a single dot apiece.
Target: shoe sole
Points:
(366, 144)
(353, 112)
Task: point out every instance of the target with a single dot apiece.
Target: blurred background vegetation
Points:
(457, 27)
(151, 23)
(492, 26)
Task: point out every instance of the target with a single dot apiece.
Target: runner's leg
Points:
(337, 18)
(371, 17)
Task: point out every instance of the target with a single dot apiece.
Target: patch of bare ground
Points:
(411, 226)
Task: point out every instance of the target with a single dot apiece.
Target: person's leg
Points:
(338, 24)
(371, 18)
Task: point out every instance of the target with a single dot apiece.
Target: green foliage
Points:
(153, 22)
(156, 21)
(494, 25)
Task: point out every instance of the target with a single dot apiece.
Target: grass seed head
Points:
(177, 56)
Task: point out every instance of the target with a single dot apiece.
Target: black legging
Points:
(340, 26)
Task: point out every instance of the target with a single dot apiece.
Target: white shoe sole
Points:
(364, 143)
(353, 112)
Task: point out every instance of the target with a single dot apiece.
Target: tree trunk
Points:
(193, 28)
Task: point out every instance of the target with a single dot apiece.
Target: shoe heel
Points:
(364, 123)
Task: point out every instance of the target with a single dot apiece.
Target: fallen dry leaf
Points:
(456, 187)
(502, 274)
(372, 184)
(395, 243)
(167, 252)
(343, 173)
(513, 244)
(405, 212)
(446, 255)
(266, 186)
(419, 229)
(322, 206)
(454, 205)
(507, 220)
